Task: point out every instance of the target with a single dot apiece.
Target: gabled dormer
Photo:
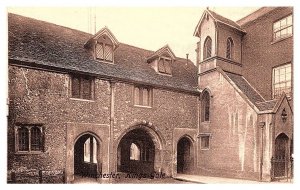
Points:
(161, 60)
(219, 43)
(102, 45)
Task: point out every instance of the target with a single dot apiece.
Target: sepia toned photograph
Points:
(150, 95)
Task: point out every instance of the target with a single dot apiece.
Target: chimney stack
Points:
(187, 58)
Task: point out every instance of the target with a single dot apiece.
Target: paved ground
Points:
(220, 180)
(179, 179)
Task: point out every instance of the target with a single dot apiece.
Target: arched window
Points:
(207, 48)
(205, 106)
(229, 48)
(135, 152)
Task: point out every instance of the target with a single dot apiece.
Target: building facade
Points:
(82, 104)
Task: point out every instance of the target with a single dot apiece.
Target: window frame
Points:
(229, 50)
(137, 100)
(166, 61)
(81, 87)
(104, 41)
(205, 106)
(29, 127)
(276, 30)
(208, 136)
(283, 66)
(206, 48)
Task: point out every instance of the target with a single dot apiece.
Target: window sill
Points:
(165, 74)
(28, 152)
(104, 61)
(204, 149)
(83, 100)
(281, 39)
(140, 106)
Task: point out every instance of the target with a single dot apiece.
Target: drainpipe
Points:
(261, 124)
(111, 125)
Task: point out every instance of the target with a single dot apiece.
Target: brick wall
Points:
(233, 128)
(260, 53)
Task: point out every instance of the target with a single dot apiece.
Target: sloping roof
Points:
(161, 51)
(255, 15)
(220, 19)
(267, 105)
(44, 44)
(251, 93)
(224, 20)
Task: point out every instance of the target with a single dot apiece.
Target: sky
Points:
(145, 27)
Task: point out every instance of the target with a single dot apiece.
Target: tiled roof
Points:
(225, 20)
(250, 92)
(267, 105)
(53, 46)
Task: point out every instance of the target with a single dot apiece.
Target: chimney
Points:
(187, 58)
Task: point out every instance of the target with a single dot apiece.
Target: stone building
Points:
(88, 105)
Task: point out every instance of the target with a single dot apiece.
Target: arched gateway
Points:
(86, 156)
(139, 151)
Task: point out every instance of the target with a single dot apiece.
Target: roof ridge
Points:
(47, 22)
(150, 51)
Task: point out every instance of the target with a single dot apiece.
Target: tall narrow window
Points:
(282, 77)
(36, 139)
(143, 96)
(283, 28)
(23, 139)
(207, 48)
(82, 87)
(229, 48)
(205, 111)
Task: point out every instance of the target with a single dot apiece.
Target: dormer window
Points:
(164, 65)
(102, 45)
(104, 49)
(162, 60)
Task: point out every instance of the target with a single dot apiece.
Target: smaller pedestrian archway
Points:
(87, 156)
(185, 155)
(281, 156)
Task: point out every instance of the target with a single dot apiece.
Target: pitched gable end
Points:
(164, 51)
(103, 32)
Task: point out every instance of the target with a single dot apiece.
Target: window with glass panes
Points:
(283, 28)
(207, 48)
(82, 87)
(143, 96)
(104, 49)
(205, 142)
(164, 66)
(282, 78)
(29, 138)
